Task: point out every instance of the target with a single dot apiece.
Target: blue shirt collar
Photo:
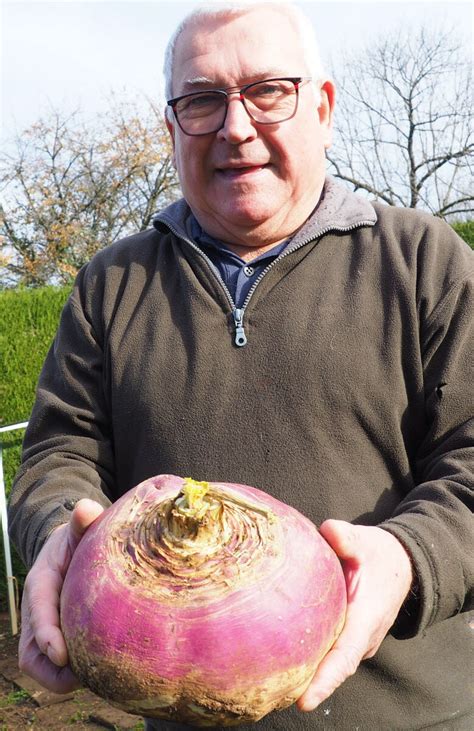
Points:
(203, 239)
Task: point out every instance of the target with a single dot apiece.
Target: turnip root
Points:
(206, 603)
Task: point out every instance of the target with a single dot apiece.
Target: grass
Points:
(15, 698)
(78, 717)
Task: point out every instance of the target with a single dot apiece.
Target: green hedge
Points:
(29, 320)
(465, 229)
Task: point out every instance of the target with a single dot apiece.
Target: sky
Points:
(68, 55)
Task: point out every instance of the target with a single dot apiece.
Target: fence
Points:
(12, 593)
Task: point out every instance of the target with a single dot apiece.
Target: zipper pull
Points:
(240, 337)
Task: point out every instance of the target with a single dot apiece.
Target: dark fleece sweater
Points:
(352, 399)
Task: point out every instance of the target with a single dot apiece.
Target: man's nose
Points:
(238, 125)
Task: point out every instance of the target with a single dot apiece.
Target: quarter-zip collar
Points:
(337, 210)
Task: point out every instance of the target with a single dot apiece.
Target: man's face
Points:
(250, 184)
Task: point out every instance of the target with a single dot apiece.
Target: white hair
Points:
(300, 21)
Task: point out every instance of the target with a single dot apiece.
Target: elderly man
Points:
(274, 329)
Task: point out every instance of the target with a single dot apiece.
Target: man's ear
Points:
(326, 110)
(170, 128)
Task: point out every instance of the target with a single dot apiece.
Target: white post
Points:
(6, 541)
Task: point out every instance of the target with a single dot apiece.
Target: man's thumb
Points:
(341, 536)
(84, 513)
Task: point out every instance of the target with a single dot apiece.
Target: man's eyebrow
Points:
(198, 81)
(213, 83)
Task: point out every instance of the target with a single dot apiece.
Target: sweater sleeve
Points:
(434, 522)
(68, 448)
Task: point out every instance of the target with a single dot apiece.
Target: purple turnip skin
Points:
(217, 624)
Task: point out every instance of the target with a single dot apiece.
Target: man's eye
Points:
(201, 101)
(265, 90)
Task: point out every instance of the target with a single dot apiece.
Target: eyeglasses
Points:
(267, 102)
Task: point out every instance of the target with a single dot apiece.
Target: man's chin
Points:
(247, 204)
(245, 216)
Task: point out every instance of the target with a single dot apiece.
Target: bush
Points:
(465, 229)
(29, 320)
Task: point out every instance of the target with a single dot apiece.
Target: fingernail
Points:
(311, 703)
(52, 655)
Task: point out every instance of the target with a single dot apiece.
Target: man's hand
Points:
(42, 650)
(378, 576)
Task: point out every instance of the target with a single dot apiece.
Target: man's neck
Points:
(249, 253)
(251, 241)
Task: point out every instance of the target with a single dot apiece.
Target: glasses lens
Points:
(201, 113)
(271, 101)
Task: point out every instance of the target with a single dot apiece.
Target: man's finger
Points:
(56, 679)
(40, 612)
(47, 673)
(339, 664)
(51, 643)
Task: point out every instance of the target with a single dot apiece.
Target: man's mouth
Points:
(239, 171)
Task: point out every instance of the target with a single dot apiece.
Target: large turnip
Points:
(206, 603)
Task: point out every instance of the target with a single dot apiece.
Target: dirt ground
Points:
(26, 705)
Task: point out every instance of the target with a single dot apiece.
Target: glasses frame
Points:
(296, 80)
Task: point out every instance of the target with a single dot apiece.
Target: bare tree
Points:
(70, 188)
(404, 124)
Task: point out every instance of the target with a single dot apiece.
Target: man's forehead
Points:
(234, 51)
